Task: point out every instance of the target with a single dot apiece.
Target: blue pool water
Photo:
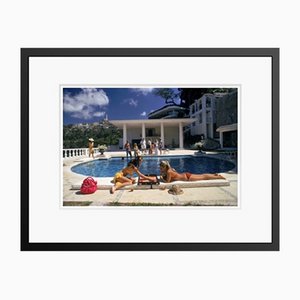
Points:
(150, 165)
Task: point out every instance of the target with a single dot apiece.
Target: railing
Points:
(77, 152)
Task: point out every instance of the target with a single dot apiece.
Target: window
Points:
(150, 131)
(216, 133)
(208, 102)
(208, 117)
(200, 118)
(193, 109)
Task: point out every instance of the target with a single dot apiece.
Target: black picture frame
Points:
(27, 53)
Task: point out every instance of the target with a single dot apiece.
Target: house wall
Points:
(226, 110)
(171, 137)
(203, 125)
(134, 133)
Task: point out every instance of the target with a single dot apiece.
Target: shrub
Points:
(207, 144)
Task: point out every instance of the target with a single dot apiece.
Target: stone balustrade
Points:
(77, 152)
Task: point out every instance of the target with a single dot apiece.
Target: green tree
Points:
(189, 95)
(168, 94)
(76, 136)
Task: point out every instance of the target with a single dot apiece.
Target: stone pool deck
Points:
(206, 193)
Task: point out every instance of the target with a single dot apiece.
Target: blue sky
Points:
(87, 105)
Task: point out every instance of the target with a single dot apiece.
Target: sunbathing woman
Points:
(168, 174)
(121, 179)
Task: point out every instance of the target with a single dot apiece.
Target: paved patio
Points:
(223, 195)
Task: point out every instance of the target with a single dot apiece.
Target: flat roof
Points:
(167, 108)
(138, 123)
(229, 127)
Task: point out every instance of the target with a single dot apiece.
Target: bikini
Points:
(120, 174)
(117, 176)
(188, 175)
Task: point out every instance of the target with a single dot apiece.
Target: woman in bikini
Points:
(125, 177)
(168, 174)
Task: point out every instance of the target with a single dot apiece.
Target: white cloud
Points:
(83, 104)
(131, 102)
(99, 114)
(86, 113)
(144, 91)
(143, 114)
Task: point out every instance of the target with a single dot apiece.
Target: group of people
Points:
(153, 148)
(167, 174)
(150, 147)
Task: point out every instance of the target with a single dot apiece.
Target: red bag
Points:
(89, 186)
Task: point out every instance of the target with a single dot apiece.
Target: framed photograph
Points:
(153, 149)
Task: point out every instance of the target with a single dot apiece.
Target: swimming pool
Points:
(150, 165)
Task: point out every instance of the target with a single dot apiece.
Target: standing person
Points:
(136, 150)
(143, 145)
(151, 149)
(149, 145)
(91, 147)
(156, 147)
(137, 161)
(128, 149)
(160, 146)
(168, 174)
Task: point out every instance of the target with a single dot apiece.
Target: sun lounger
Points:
(106, 185)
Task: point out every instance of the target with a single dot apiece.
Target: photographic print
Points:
(152, 149)
(150, 146)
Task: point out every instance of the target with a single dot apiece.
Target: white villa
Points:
(203, 112)
(227, 132)
(202, 120)
(170, 131)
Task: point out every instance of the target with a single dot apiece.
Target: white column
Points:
(204, 126)
(124, 134)
(162, 134)
(221, 139)
(211, 123)
(143, 131)
(180, 136)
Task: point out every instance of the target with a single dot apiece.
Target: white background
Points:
(207, 275)
(154, 224)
